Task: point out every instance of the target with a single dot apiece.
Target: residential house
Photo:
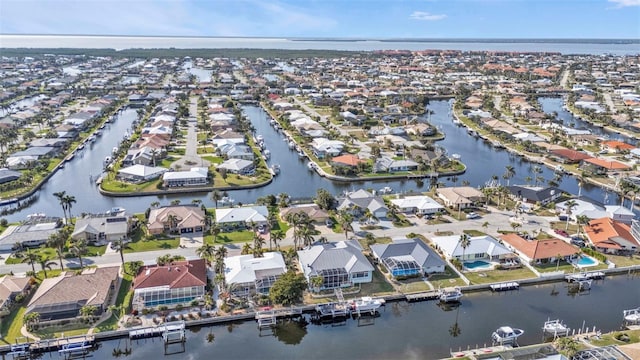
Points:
(10, 287)
(480, 248)
(178, 283)
(33, 232)
(323, 147)
(176, 218)
(461, 197)
(62, 297)
(241, 217)
(101, 229)
(238, 166)
(7, 175)
(314, 212)
(568, 156)
(611, 237)
(197, 176)
(408, 257)
(603, 166)
(358, 202)
(540, 251)
(248, 275)
(140, 173)
(387, 164)
(419, 204)
(615, 146)
(535, 194)
(339, 264)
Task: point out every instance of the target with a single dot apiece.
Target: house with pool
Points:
(542, 251)
(246, 274)
(483, 252)
(408, 257)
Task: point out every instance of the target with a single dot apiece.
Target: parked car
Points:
(329, 223)
(262, 229)
(578, 241)
(473, 215)
(561, 232)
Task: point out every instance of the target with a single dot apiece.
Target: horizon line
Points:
(329, 38)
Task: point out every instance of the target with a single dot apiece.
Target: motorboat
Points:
(506, 334)
(555, 328)
(386, 190)
(274, 169)
(366, 304)
(114, 150)
(632, 316)
(267, 154)
(311, 166)
(107, 160)
(450, 294)
(301, 154)
(292, 144)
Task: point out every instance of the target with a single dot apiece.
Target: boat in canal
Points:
(506, 334)
(555, 328)
(332, 309)
(366, 304)
(450, 294)
(274, 169)
(632, 315)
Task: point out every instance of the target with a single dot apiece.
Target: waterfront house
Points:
(238, 166)
(248, 275)
(611, 237)
(408, 257)
(339, 264)
(535, 194)
(582, 207)
(615, 146)
(140, 173)
(313, 211)
(323, 147)
(419, 204)
(358, 202)
(176, 218)
(7, 175)
(240, 218)
(101, 229)
(387, 164)
(568, 156)
(197, 176)
(37, 151)
(32, 232)
(461, 197)
(178, 283)
(63, 296)
(600, 166)
(349, 160)
(10, 287)
(482, 247)
(540, 251)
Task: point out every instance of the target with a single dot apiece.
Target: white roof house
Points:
(250, 272)
(195, 176)
(479, 247)
(242, 215)
(418, 204)
(141, 172)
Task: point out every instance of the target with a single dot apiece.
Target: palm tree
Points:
(345, 219)
(60, 196)
(173, 222)
(276, 237)
(120, 245)
(45, 264)
(31, 258)
(69, 200)
(30, 319)
(569, 205)
(306, 235)
(464, 243)
(485, 225)
(155, 204)
(215, 231)
(581, 220)
(58, 241)
(79, 248)
(206, 252)
(509, 173)
(258, 244)
(216, 196)
(246, 249)
(283, 200)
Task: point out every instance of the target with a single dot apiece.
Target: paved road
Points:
(609, 101)
(191, 157)
(497, 220)
(564, 79)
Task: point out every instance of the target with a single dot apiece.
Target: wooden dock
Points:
(591, 275)
(506, 286)
(429, 295)
(70, 344)
(141, 333)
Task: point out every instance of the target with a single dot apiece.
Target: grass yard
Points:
(413, 286)
(150, 245)
(622, 261)
(493, 276)
(553, 266)
(378, 286)
(611, 339)
(234, 237)
(123, 301)
(11, 325)
(448, 278)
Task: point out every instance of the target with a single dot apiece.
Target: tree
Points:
(31, 319)
(88, 311)
(206, 252)
(569, 205)
(464, 243)
(283, 200)
(582, 220)
(45, 264)
(168, 259)
(509, 173)
(31, 258)
(215, 231)
(79, 249)
(258, 243)
(68, 201)
(58, 241)
(485, 225)
(288, 289)
(246, 249)
(60, 196)
(316, 283)
(120, 245)
(324, 199)
(276, 237)
(345, 219)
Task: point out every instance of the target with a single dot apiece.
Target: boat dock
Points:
(72, 344)
(555, 329)
(148, 332)
(268, 318)
(429, 295)
(592, 275)
(506, 286)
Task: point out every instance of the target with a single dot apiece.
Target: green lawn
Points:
(446, 279)
(610, 339)
(413, 286)
(378, 286)
(622, 261)
(149, 245)
(551, 267)
(235, 237)
(123, 300)
(11, 325)
(493, 276)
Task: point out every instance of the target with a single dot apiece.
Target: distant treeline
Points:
(173, 52)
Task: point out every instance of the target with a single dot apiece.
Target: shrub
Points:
(163, 308)
(19, 298)
(179, 307)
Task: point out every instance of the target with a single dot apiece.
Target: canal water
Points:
(482, 160)
(408, 330)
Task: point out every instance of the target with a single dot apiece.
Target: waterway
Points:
(130, 42)
(482, 160)
(409, 330)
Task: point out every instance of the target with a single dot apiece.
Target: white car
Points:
(472, 215)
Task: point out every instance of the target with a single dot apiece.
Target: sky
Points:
(326, 18)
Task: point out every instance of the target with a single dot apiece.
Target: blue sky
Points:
(327, 18)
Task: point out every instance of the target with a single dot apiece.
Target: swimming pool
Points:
(586, 261)
(478, 265)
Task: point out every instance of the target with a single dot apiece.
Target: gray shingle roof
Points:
(422, 254)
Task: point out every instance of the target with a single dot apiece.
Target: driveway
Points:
(191, 240)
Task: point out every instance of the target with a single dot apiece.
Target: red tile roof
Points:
(540, 249)
(608, 164)
(601, 232)
(179, 274)
(348, 159)
(571, 154)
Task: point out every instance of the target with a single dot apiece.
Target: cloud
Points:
(625, 3)
(425, 16)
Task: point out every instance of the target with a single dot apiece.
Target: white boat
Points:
(632, 316)
(81, 147)
(274, 169)
(311, 166)
(560, 169)
(107, 160)
(456, 156)
(555, 328)
(506, 334)
(301, 154)
(267, 154)
(114, 150)
(91, 138)
(386, 190)
(366, 304)
(259, 138)
(450, 294)
(292, 144)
